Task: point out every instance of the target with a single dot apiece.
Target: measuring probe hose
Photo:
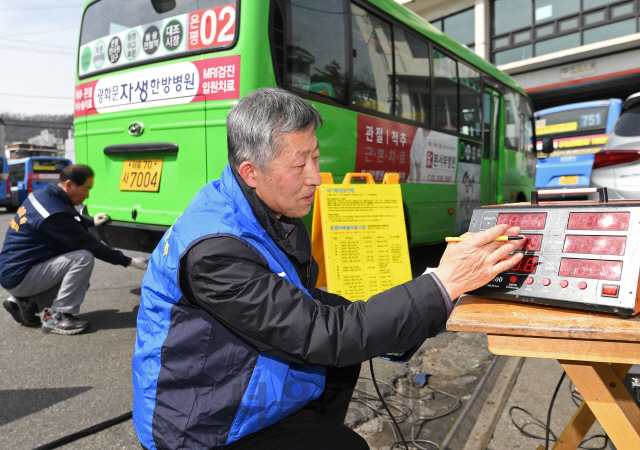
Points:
(86, 432)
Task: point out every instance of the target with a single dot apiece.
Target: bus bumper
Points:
(129, 236)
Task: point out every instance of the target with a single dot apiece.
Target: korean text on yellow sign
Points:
(365, 241)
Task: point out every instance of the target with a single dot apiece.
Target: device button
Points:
(529, 280)
(582, 285)
(564, 283)
(546, 282)
(609, 290)
(513, 279)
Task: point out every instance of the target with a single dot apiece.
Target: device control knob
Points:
(513, 279)
(582, 285)
(564, 283)
(529, 280)
(546, 282)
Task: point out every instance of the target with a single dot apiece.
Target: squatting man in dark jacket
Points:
(235, 347)
(48, 254)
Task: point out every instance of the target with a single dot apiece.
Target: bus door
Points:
(491, 146)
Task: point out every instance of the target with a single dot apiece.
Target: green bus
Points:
(156, 79)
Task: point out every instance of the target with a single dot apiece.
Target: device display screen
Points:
(526, 221)
(532, 243)
(587, 268)
(595, 245)
(527, 265)
(599, 221)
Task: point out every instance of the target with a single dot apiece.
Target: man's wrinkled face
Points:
(289, 184)
(78, 194)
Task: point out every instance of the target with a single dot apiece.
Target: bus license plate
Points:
(141, 175)
(569, 179)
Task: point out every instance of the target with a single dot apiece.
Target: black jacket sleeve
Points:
(64, 229)
(329, 299)
(233, 283)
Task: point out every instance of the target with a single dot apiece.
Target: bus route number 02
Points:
(141, 175)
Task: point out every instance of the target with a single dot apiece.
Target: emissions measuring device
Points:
(576, 254)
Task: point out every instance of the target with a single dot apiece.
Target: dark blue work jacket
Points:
(25, 244)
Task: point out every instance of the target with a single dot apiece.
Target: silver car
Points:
(617, 165)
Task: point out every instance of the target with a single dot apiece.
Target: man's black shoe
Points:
(23, 311)
(62, 323)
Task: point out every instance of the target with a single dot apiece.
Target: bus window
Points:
(446, 91)
(17, 172)
(470, 102)
(413, 85)
(317, 48)
(120, 33)
(372, 63)
(514, 120)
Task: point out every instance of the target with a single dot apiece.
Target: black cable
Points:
(553, 399)
(86, 432)
(375, 384)
(547, 427)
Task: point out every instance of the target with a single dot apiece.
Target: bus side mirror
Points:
(163, 6)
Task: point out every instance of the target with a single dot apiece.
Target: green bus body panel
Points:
(198, 128)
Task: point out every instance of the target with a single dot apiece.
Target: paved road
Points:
(52, 385)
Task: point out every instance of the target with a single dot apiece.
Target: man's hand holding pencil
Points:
(473, 260)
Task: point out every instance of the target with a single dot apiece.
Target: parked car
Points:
(617, 165)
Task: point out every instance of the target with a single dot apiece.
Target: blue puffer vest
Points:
(196, 385)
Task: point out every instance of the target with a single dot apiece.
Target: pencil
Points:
(499, 238)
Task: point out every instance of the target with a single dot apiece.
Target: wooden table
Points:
(596, 350)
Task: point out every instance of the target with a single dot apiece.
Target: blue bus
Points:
(30, 174)
(569, 136)
(5, 185)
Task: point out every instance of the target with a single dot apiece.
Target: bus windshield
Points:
(119, 33)
(49, 165)
(570, 122)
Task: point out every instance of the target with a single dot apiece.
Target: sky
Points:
(38, 40)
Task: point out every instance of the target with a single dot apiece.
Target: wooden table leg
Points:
(609, 401)
(583, 419)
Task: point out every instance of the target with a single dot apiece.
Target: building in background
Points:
(3, 135)
(47, 139)
(24, 150)
(560, 51)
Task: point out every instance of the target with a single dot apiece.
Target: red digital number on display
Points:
(588, 268)
(524, 221)
(599, 221)
(527, 264)
(532, 243)
(595, 245)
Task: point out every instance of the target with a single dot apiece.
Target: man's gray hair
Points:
(256, 123)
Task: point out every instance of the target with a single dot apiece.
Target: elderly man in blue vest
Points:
(47, 256)
(235, 347)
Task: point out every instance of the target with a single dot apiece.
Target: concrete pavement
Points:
(52, 385)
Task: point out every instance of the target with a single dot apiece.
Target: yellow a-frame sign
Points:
(358, 236)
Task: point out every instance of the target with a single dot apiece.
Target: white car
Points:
(617, 165)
